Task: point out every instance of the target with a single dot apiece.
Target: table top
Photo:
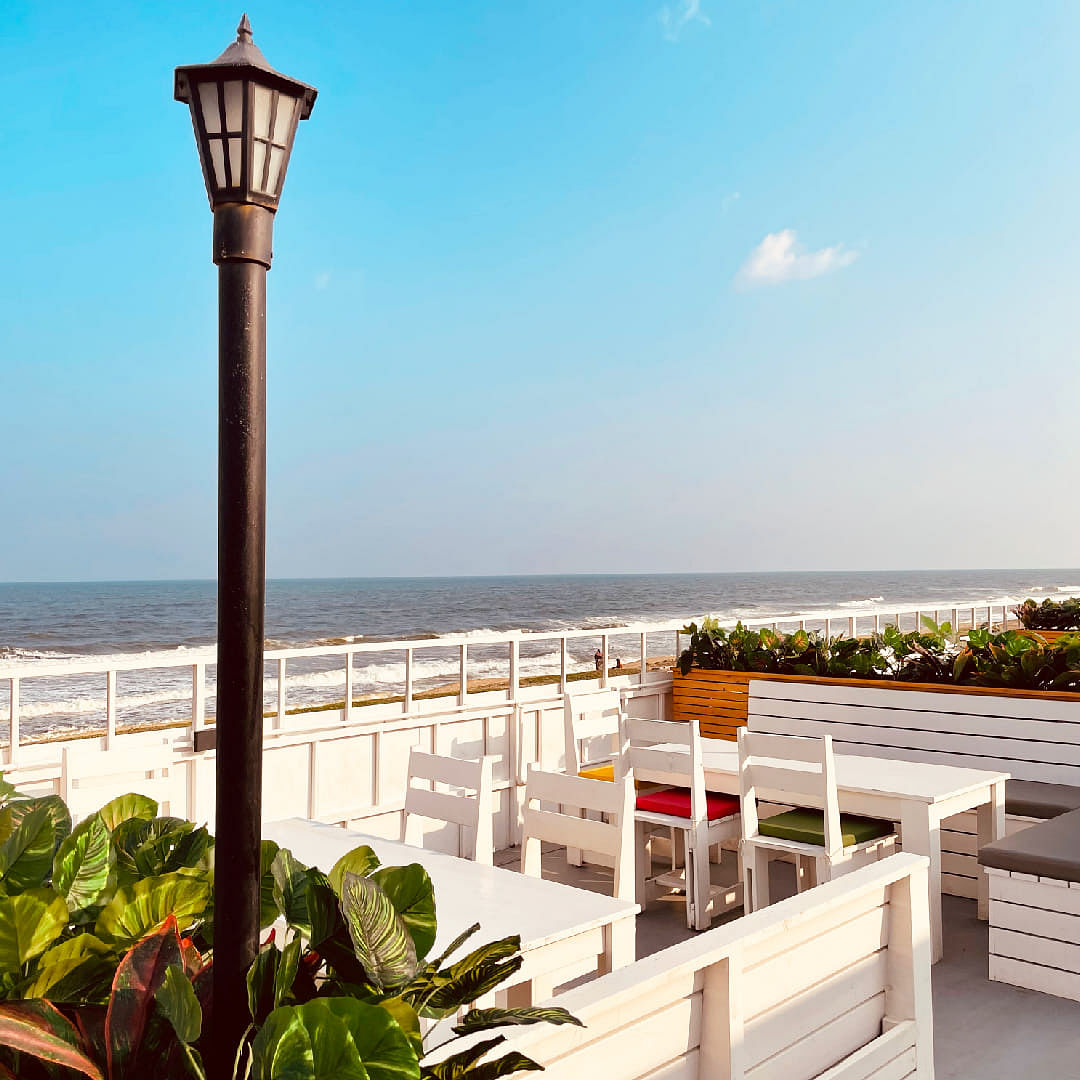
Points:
(886, 777)
(503, 902)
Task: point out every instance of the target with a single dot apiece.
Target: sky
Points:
(614, 285)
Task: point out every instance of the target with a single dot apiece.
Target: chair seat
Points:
(675, 802)
(808, 827)
(607, 772)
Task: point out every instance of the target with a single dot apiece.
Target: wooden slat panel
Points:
(600, 795)
(1035, 950)
(1060, 926)
(827, 1046)
(1033, 977)
(465, 774)
(441, 806)
(583, 833)
(952, 885)
(797, 1017)
(889, 1057)
(1034, 894)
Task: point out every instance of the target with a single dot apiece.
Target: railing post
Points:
(512, 688)
(972, 618)
(279, 715)
(851, 626)
(406, 704)
(562, 665)
(644, 658)
(198, 698)
(13, 728)
(110, 708)
(828, 629)
(604, 660)
(877, 624)
(955, 619)
(463, 690)
(348, 686)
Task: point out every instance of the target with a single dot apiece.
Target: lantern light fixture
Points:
(245, 115)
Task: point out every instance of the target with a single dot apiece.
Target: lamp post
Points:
(245, 116)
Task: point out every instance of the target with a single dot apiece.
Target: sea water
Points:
(165, 620)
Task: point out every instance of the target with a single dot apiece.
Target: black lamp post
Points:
(245, 115)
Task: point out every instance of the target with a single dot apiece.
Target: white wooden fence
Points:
(831, 984)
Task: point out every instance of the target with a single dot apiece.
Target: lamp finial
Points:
(243, 31)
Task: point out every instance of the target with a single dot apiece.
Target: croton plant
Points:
(107, 947)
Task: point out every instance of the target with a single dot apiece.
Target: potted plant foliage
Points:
(106, 950)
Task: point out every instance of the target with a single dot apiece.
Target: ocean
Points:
(48, 622)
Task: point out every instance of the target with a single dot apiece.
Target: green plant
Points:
(1050, 614)
(106, 953)
(934, 654)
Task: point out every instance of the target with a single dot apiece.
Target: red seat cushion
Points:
(676, 802)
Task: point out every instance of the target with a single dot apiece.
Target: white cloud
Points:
(779, 258)
(673, 20)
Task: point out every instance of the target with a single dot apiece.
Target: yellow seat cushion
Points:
(607, 772)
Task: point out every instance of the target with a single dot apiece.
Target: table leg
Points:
(921, 834)
(991, 827)
(620, 945)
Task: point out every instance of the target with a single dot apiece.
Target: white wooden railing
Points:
(17, 673)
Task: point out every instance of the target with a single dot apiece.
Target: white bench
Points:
(1037, 741)
(832, 984)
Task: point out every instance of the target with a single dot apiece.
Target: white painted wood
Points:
(13, 721)
(90, 778)
(347, 711)
(110, 709)
(835, 1029)
(471, 811)
(614, 838)
(1033, 894)
(1035, 950)
(546, 914)
(813, 784)
(1063, 984)
(1058, 926)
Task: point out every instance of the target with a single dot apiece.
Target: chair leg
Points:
(697, 841)
(642, 862)
(759, 879)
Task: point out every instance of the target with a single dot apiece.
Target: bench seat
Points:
(1030, 799)
(1050, 849)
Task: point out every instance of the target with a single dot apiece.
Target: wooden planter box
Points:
(718, 700)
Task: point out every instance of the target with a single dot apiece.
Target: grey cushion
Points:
(1049, 849)
(1027, 798)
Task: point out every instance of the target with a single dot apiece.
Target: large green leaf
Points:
(464, 1065)
(28, 838)
(72, 967)
(23, 1027)
(7, 791)
(472, 976)
(380, 939)
(125, 807)
(141, 908)
(290, 890)
(295, 1044)
(384, 1048)
(268, 909)
(361, 860)
(82, 866)
(138, 977)
(29, 924)
(486, 1019)
(260, 983)
(161, 845)
(413, 896)
(176, 999)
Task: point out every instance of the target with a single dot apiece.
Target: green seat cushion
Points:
(808, 827)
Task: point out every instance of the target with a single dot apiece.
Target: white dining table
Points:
(562, 929)
(918, 796)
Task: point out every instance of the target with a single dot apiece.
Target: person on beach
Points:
(598, 658)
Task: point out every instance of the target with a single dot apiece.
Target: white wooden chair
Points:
(560, 821)
(91, 777)
(822, 842)
(669, 753)
(591, 724)
(470, 812)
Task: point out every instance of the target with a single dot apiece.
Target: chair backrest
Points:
(470, 811)
(560, 821)
(667, 752)
(90, 776)
(793, 770)
(589, 718)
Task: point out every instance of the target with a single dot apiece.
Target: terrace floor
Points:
(983, 1030)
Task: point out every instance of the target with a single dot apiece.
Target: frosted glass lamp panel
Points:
(211, 111)
(273, 179)
(283, 119)
(262, 99)
(234, 106)
(217, 159)
(236, 157)
(258, 164)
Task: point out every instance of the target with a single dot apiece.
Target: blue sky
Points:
(613, 285)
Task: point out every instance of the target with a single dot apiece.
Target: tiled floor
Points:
(982, 1030)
